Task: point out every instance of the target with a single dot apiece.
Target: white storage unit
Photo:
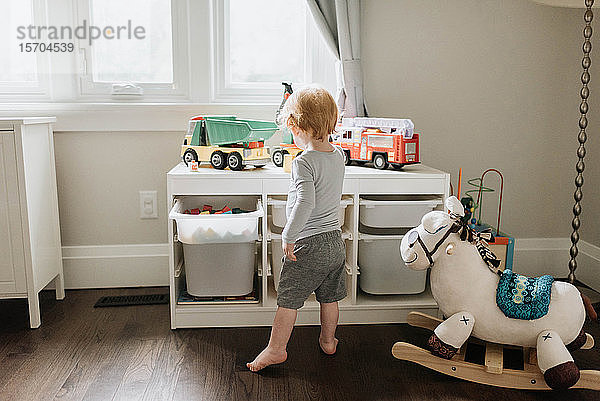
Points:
(382, 272)
(270, 184)
(30, 246)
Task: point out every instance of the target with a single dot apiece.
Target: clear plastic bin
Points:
(395, 211)
(280, 218)
(382, 271)
(216, 228)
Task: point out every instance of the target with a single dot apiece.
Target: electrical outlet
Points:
(148, 205)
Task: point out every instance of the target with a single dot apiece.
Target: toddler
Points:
(312, 243)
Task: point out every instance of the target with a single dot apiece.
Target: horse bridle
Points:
(453, 229)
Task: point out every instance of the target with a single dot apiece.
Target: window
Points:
(133, 48)
(266, 52)
(380, 141)
(259, 44)
(153, 51)
(20, 70)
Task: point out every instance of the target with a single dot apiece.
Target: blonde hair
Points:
(311, 109)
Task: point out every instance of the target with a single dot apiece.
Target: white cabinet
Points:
(30, 247)
(413, 185)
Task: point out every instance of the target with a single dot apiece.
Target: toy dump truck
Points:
(287, 146)
(227, 141)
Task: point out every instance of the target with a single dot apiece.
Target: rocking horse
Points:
(541, 318)
(499, 308)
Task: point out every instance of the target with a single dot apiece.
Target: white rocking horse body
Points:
(463, 282)
(465, 291)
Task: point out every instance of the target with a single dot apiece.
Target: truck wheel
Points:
(398, 166)
(234, 159)
(218, 160)
(347, 160)
(380, 162)
(277, 158)
(189, 156)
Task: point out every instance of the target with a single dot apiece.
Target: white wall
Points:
(495, 84)
(590, 218)
(488, 84)
(99, 176)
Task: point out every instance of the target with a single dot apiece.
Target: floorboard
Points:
(130, 353)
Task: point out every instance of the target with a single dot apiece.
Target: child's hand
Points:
(288, 250)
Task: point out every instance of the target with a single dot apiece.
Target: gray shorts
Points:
(320, 267)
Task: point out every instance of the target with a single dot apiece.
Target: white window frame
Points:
(179, 90)
(26, 90)
(224, 91)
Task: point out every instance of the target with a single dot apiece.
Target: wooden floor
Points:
(130, 353)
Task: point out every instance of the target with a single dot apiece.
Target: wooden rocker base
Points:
(492, 373)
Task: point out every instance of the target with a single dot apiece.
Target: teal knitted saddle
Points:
(521, 297)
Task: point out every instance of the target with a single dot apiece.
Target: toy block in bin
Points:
(503, 246)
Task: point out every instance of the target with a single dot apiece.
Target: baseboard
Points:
(588, 269)
(145, 265)
(537, 256)
(107, 266)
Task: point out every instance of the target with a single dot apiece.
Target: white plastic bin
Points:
(382, 271)
(214, 270)
(395, 211)
(216, 228)
(278, 209)
(276, 260)
(219, 250)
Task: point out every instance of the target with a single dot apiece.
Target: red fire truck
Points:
(382, 141)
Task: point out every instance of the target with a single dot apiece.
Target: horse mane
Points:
(479, 240)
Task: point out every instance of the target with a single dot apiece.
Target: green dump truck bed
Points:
(229, 130)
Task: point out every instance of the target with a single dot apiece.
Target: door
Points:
(363, 147)
(12, 268)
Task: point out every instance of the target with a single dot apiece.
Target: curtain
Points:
(339, 23)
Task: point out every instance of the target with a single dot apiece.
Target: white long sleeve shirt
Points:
(314, 195)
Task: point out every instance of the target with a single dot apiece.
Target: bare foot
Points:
(328, 347)
(267, 357)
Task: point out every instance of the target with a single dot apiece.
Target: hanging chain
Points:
(586, 62)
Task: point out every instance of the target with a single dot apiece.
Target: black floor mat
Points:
(128, 300)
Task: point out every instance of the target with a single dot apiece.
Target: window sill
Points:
(110, 116)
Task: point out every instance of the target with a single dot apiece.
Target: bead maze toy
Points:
(501, 244)
(227, 141)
